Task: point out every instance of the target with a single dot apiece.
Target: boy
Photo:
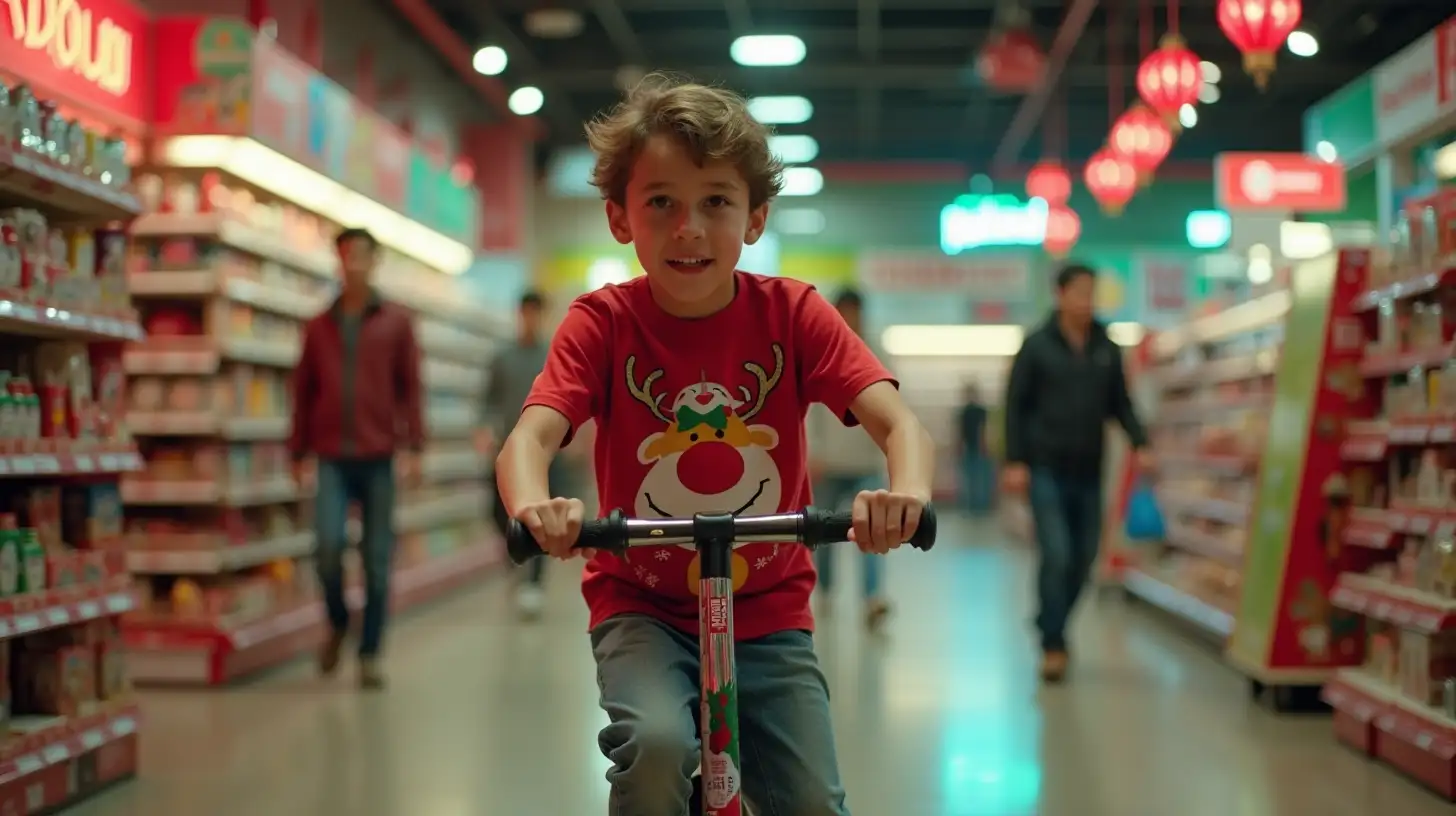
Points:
(699, 377)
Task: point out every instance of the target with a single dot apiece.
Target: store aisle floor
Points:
(941, 717)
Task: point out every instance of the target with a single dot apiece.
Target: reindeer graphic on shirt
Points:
(709, 458)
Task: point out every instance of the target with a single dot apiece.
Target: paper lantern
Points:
(1259, 28)
(1049, 181)
(1012, 61)
(1170, 78)
(1063, 229)
(1143, 138)
(1111, 179)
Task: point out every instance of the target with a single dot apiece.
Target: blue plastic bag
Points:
(1144, 519)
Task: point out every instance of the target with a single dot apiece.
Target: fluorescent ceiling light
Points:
(952, 340)
(490, 60)
(285, 178)
(781, 110)
(1302, 44)
(795, 148)
(1208, 94)
(1187, 116)
(1211, 72)
(802, 181)
(759, 50)
(526, 100)
(799, 221)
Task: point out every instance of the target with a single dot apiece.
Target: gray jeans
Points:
(648, 675)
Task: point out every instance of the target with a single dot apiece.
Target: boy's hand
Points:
(885, 519)
(555, 524)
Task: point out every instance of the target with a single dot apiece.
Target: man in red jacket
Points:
(356, 410)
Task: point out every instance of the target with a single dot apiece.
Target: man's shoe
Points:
(328, 656)
(370, 676)
(1054, 665)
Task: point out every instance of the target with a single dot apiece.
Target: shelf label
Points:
(28, 764)
(93, 739)
(23, 464)
(1423, 741)
(47, 464)
(56, 753)
(123, 727)
(85, 464)
(89, 609)
(58, 616)
(118, 603)
(109, 462)
(27, 623)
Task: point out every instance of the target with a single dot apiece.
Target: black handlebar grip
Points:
(608, 533)
(828, 527)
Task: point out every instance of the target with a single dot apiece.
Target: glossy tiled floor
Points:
(939, 718)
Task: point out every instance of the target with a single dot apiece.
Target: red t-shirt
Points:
(703, 415)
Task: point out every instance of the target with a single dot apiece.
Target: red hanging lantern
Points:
(1170, 78)
(1063, 229)
(1050, 182)
(1143, 138)
(1111, 179)
(1259, 28)
(1012, 61)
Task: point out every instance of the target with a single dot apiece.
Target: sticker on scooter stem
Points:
(721, 780)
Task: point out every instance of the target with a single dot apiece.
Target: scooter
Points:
(718, 790)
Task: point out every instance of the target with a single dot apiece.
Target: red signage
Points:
(1278, 181)
(91, 53)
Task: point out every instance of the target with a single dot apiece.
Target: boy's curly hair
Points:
(712, 124)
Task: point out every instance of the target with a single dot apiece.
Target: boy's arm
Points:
(568, 392)
(907, 445)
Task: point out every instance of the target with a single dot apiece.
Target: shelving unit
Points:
(68, 719)
(226, 274)
(1251, 402)
(1398, 704)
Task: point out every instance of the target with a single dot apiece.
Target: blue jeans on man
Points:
(647, 673)
(837, 493)
(978, 479)
(370, 484)
(1067, 513)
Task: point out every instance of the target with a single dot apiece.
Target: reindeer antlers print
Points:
(643, 393)
(766, 382)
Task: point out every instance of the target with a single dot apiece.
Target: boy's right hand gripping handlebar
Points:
(812, 527)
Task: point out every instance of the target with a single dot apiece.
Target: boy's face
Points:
(688, 225)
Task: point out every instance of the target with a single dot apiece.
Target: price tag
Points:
(27, 623)
(1424, 740)
(93, 739)
(1382, 609)
(58, 616)
(118, 603)
(123, 727)
(85, 464)
(88, 610)
(56, 753)
(47, 464)
(110, 462)
(23, 464)
(4, 464)
(28, 764)
(1420, 525)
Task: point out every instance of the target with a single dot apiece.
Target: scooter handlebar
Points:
(812, 527)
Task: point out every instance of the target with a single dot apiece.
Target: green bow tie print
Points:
(717, 418)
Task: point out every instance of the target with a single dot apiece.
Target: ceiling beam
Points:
(619, 31)
(869, 35)
(1032, 108)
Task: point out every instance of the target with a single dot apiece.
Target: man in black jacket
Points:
(1066, 382)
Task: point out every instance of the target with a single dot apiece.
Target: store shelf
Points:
(239, 236)
(38, 183)
(82, 460)
(1255, 314)
(27, 614)
(34, 320)
(200, 653)
(69, 760)
(1402, 606)
(178, 494)
(1414, 286)
(1375, 718)
(206, 283)
(211, 555)
(1201, 614)
(207, 423)
(206, 356)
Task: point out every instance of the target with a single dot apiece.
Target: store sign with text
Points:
(1002, 278)
(92, 53)
(1278, 181)
(975, 221)
(1414, 87)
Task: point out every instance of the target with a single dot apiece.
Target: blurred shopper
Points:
(978, 476)
(357, 411)
(843, 461)
(512, 374)
(1066, 382)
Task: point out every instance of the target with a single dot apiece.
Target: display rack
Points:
(1399, 705)
(68, 719)
(226, 274)
(1247, 436)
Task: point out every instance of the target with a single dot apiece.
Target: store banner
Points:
(1346, 120)
(1408, 90)
(1165, 284)
(204, 76)
(1278, 181)
(503, 160)
(281, 118)
(94, 54)
(1005, 278)
(391, 152)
